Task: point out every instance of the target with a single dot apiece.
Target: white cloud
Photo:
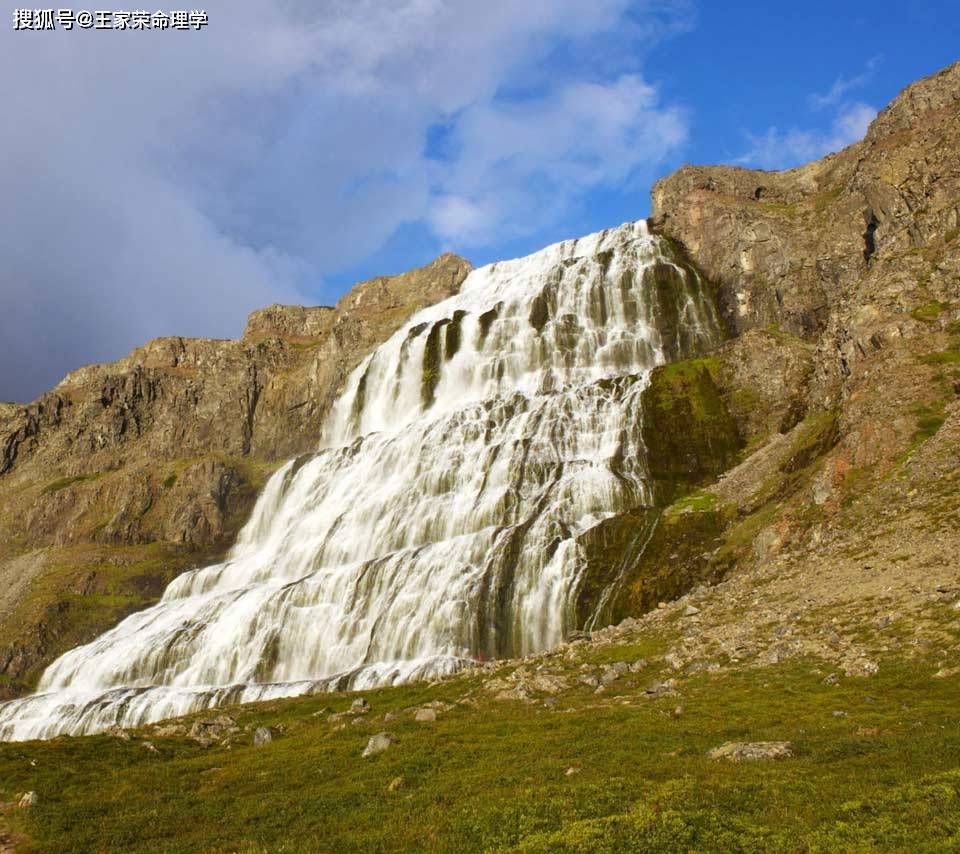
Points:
(163, 183)
(843, 85)
(776, 149)
(517, 161)
(782, 149)
(851, 124)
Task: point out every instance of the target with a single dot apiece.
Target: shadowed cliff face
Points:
(127, 473)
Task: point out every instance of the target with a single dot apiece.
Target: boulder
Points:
(206, 732)
(379, 743)
(668, 688)
(609, 676)
(749, 751)
(262, 735)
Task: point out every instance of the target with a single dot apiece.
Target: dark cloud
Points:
(170, 183)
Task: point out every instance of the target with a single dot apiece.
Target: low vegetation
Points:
(930, 311)
(64, 482)
(875, 766)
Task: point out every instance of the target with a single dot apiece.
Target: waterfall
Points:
(437, 523)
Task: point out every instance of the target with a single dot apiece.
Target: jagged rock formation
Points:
(126, 473)
(841, 283)
(824, 250)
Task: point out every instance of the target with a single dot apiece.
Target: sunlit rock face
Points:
(438, 521)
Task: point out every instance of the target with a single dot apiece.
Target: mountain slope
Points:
(852, 505)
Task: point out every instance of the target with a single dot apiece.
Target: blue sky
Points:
(760, 85)
(169, 183)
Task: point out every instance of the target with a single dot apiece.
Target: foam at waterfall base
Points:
(76, 713)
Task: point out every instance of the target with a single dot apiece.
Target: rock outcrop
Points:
(788, 247)
(840, 281)
(856, 255)
(840, 285)
(127, 473)
(841, 251)
(263, 395)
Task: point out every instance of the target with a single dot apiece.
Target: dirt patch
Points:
(16, 576)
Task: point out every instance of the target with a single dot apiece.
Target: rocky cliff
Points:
(854, 257)
(127, 473)
(840, 282)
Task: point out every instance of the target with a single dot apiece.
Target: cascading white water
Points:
(437, 524)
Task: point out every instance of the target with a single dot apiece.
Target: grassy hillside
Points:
(876, 767)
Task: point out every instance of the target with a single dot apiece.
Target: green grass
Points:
(930, 419)
(817, 433)
(943, 357)
(791, 210)
(824, 200)
(930, 311)
(85, 590)
(493, 778)
(696, 502)
(64, 482)
(689, 370)
(778, 333)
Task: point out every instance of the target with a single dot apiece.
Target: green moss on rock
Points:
(930, 312)
(64, 482)
(648, 554)
(817, 435)
(431, 363)
(645, 556)
(943, 357)
(689, 434)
